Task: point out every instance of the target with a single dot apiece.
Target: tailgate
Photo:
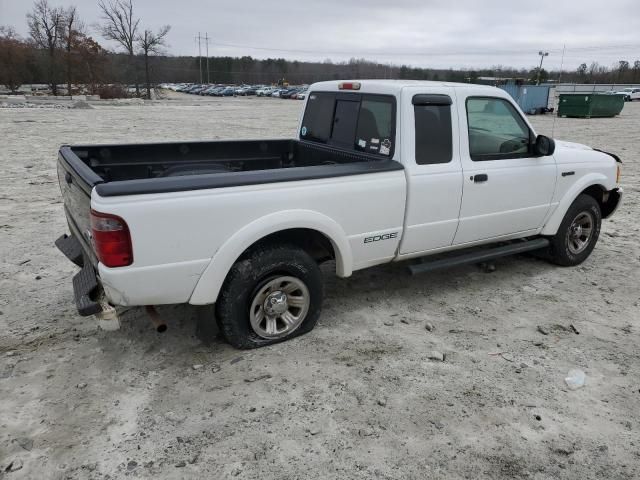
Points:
(76, 181)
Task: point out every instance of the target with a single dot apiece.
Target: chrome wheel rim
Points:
(279, 307)
(580, 233)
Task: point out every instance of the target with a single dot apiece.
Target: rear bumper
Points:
(86, 287)
(612, 202)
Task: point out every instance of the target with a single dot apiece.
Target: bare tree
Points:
(73, 29)
(121, 26)
(151, 43)
(45, 27)
(14, 55)
(623, 66)
(582, 71)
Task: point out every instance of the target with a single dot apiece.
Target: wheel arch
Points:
(592, 185)
(306, 228)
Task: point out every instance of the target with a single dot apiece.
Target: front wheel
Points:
(273, 294)
(578, 232)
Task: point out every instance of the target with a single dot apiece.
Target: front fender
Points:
(553, 223)
(210, 283)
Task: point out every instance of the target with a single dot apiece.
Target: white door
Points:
(432, 164)
(506, 190)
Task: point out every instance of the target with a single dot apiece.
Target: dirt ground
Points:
(358, 397)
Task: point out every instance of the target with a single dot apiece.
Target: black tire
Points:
(562, 253)
(250, 274)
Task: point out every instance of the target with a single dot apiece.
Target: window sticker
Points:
(362, 143)
(375, 141)
(373, 148)
(385, 148)
(304, 131)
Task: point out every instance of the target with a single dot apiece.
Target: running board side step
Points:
(480, 256)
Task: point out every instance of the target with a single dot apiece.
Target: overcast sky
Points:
(425, 33)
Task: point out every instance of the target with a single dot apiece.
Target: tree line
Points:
(60, 51)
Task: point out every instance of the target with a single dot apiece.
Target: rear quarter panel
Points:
(184, 239)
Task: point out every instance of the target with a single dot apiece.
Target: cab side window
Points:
(434, 142)
(496, 130)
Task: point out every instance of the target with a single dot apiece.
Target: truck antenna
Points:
(553, 127)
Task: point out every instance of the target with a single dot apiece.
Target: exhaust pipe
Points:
(157, 321)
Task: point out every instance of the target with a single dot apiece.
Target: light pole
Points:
(542, 55)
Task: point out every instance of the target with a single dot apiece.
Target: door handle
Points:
(68, 178)
(480, 177)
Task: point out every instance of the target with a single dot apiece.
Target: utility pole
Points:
(200, 38)
(206, 41)
(200, 56)
(542, 55)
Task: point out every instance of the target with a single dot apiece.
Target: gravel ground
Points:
(359, 396)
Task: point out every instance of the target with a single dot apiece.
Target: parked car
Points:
(299, 91)
(630, 94)
(193, 88)
(228, 92)
(204, 88)
(266, 91)
(209, 90)
(218, 91)
(302, 95)
(287, 93)
(150, 223)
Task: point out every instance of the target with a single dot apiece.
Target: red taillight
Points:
(111, 239)
(349, 86)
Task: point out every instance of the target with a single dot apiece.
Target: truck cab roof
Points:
(393, 87)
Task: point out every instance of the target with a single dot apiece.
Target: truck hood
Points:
(562, 145)
(570, 152)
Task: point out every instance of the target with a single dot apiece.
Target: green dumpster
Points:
(587, 105)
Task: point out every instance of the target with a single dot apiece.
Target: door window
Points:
(496, 130)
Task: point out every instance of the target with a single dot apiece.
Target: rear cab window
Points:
(351, 121)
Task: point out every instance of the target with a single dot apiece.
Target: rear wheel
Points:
(271, 295)
(578, 232)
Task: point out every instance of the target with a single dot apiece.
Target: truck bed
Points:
(134, 169)
(169, 167)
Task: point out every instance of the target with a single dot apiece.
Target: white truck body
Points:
(185, 242)
(630, 94)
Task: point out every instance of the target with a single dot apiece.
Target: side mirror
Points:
(544, 146)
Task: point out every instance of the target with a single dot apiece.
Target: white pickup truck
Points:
(436, 174)
(630, 94)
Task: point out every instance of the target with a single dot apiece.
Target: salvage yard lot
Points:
(359, 396)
